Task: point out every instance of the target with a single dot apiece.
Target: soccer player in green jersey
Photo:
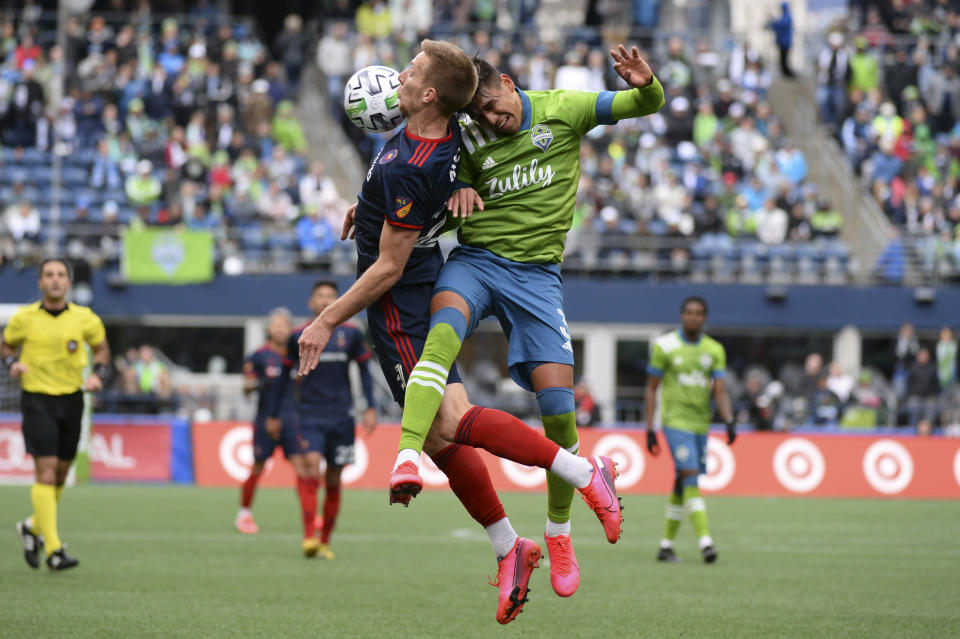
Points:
(691, 366)
(521, 156)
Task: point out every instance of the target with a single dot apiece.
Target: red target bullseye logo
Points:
(361, 459)
(429, 473)
(236, 453)
(888, 466)
(721, 466)
(526, 476)
(625, 451)
(798, 465)
(956, 466)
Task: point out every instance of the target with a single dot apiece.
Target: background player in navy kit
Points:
(326, 428)
(261, 371)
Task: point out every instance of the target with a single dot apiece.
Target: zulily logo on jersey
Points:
(521, 178)
(693, 378)
(541, 136)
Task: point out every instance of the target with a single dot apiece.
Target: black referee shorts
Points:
(51, 424)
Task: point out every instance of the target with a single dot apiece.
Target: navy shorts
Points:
(689, 450)
(399, 322)
(264, 444)
(332, 439)
(526, 298)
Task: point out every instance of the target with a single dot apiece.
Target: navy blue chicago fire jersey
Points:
(408, 185)
(324, 393)
(266, 365)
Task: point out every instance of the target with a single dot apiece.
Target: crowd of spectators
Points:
(184, 122)
(889, 88)
(710, 182)
(919, 390)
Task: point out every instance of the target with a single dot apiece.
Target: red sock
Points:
(247, 490)
(505, 436)
(307, 490)
(470, 482)
(331, 506)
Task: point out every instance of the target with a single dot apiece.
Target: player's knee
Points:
(687, 478)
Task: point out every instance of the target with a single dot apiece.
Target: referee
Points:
(49, 336)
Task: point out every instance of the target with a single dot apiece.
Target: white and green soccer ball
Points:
(370, 99)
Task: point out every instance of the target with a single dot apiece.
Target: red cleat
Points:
(601, 495)
(513, 578)
(564, 569)
(245, 524)
(405, 483)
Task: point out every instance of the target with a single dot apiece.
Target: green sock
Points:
(674, 516)
(562, 430)
(694, 505)
(426, 385)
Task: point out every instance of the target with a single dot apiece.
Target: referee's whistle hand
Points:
(93, 383)
(18, 369)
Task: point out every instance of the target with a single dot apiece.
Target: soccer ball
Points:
(370, 99)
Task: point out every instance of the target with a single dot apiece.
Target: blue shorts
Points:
(399, 322)
(334, 440)
(526, 298)
(689, 450)
(264, 444)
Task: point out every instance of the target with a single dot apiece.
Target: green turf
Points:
(164, 561)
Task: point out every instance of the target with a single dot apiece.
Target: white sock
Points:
(666, 543)
(705, 541)
(502, 537)
(243, 512)
(554, 529)
(408, 455)
(572, 469)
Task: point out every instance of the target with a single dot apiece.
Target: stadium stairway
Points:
(865, 227)
(326, 141)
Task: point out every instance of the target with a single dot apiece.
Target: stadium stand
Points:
(893, 101)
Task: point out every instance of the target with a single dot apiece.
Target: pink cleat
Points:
(513, 577)
(564, 569)
(245, 524)
(601, 495)
(405, 483)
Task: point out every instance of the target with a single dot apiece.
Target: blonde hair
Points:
(451, 73)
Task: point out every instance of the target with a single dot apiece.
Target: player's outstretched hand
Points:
(312, 342)
(631, 67)
(370, 420)
(653, 445)
(348, 230)
(731, 433)
(463, 201)
(274, 426)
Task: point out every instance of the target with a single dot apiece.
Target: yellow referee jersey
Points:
(52, 346)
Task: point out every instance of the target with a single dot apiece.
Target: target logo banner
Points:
(769, 464)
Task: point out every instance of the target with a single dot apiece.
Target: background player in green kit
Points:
(689, 364)
(521, 154)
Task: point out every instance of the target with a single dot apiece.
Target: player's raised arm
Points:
(646, 97)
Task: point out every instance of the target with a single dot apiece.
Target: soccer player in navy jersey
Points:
(324, 417)
(261, 372)
(400, 213)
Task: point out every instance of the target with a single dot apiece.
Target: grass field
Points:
(164, 561)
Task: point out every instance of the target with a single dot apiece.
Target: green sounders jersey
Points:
(686, 370)
(528, 180)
